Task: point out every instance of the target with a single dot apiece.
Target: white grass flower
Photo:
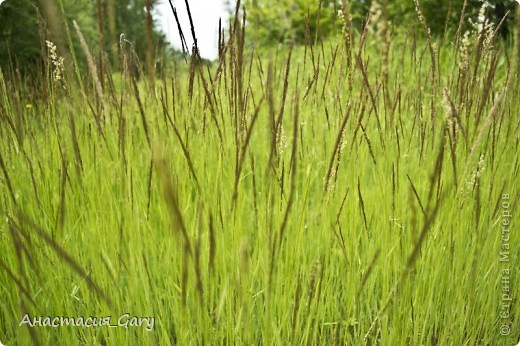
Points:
(475, 176)
(58, 62)
(281, 139)
(464, 55)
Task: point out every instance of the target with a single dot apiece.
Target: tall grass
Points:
(324, 194)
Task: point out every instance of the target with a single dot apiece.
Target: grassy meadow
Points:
(358, 190)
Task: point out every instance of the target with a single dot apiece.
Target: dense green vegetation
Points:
(25, 23)
(302, 21)
(358, 189)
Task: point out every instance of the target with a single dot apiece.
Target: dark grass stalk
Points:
(517, 39)
(347, 31)
(314, 295)
(337, 146)
(338, 233)
(148, 275)
(25, 247)
(385, 49)
(320, 281)
(272, 120)
(239, 66)
(108, 266)
(359, 109)
(131, 188)
(314, 80)
(308, 42)
(452, 143)
(243, 151)
(150, 44)
(163, 98)
(121, 132)
(19, 250)
(328, 72)
(209, 100)
(281, 182)
(318, 17)
(478, 55)
(488, 121)
(193, 63)
(431, 214)
(293, 167)
(366, 275)
(66, 257)
(435, 176)
(255, 189)
(338, 215)
(99, 125)
(18, 283)
(487, 88)
(172, 200)
(122, 246)
(164, 102)
(75, 144)
(394, 187)
(192, 27)
(372, 98)
(60, 217)
(33, 182)
(111, 19)
(279, 119)
(312, 283)
(456, 115)
(178, 225)
(185, 272)
(478, 202)
(427, 32)
(32, 331)
(297, 301)
(184, 148)
(461, 24)
(149, 189)
(362, 206)
(212, 246)
(8, 180)
(367, 140)
(174, 97)
(42, 31)
(141, 112)
(198, 273)
(184, 45)
(221, 39)
(447, 21)
(416, 194)
(92, 67)
(10, 124)
(101, 31)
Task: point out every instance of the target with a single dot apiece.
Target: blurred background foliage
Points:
(26, 24)
(273, 23)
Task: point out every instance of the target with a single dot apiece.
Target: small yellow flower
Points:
(28, 106)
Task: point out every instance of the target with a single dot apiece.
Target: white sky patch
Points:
(205, 15)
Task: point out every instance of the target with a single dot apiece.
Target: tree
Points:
(19, 38)
(21, 30)
(128, 17)
(286, 20)
(291, 20)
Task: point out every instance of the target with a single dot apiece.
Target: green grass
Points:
(373, 217)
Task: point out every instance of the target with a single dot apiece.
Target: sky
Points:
(205, 15)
